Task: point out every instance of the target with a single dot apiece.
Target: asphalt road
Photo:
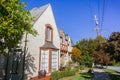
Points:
(99, 74)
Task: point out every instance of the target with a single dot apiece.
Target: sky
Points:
(76, 17)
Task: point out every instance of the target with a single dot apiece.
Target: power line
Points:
(91, 9)
(99, 15)
(102, 17)
(103, 12)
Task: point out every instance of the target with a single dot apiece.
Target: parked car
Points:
(98, 66)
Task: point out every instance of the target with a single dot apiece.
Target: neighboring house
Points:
(65, 48)
(44, 48)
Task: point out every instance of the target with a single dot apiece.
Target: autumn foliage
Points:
(101, 57)
(76, 53)
(108, 51)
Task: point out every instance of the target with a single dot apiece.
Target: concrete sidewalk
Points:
(99, 74)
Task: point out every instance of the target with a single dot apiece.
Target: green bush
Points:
(82, 67)
(54, 75)
(58, 75)
(70, 62)
(113, 62)
(90, 70)
(76, 68)
(67, 68)
(117, 64)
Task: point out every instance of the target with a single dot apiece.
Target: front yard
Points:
(79, 76)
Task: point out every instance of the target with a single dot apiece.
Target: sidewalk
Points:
(99, 74)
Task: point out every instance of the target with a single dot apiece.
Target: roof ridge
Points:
(38, 11)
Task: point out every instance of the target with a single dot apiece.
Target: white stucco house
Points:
(44, 48)
(51, 48)
(48, 50)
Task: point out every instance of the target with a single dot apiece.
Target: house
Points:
(45, 51)
(51, 48)
(65, 48)
(44, 48)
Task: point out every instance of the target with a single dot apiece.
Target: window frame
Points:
(48, 38)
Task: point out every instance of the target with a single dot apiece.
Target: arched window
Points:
(48, 33)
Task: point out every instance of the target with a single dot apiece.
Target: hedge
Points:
(57, 75)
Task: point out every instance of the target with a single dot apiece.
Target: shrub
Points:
(76, 68)
(67, 68)
(54, 75)
(82, 67)
(58, 75)
(113, 62)
(117, 64)
(70, 62)
(90, 70)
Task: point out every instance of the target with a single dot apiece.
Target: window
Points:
(48, 33)
(54, 60)
(44, 60)
(62, 40)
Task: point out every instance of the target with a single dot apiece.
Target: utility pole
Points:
(97, 27)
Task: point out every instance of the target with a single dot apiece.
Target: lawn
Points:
(80, 76)
(113, 74)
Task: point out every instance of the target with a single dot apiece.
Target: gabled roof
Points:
(37, 12)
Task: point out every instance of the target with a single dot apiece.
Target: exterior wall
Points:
(34, 43)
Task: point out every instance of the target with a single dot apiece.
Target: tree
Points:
(113, 46)
(76, 54)
(100, 39)
(101, 57)
(86, 60)
(14, 22)
(87, 48)
(109, 49)
(115, 36)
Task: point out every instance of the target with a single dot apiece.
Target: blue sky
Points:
(76, 16)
